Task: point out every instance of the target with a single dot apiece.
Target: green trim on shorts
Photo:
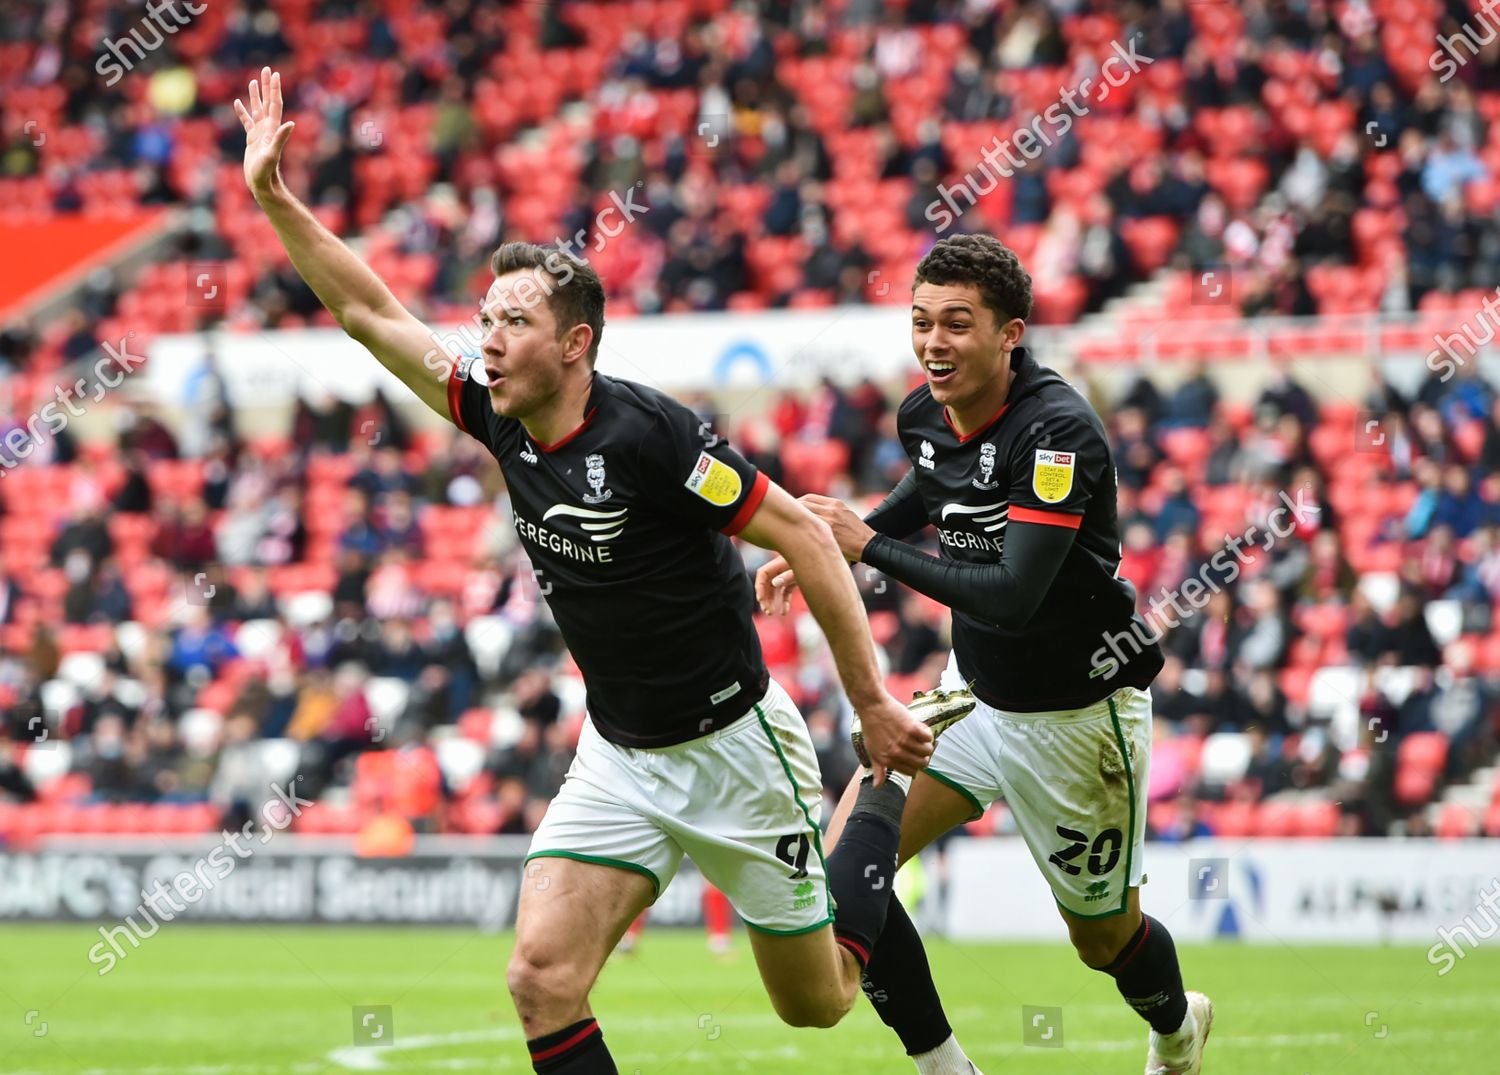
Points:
(956, 786)
(791, 932)
(1114, 719)
(817, 833)
(1107, 914)
(599, 860)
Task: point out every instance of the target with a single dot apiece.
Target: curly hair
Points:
(985, 262)
(578, 295)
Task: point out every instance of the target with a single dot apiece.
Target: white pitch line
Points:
(362, 1058)
(367, 1058)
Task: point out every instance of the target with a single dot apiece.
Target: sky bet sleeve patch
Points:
(1052, 477)
(714, 481)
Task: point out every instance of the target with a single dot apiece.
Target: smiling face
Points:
(526, 360)
(963, 351)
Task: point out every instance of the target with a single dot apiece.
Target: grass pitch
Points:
(208, 1000)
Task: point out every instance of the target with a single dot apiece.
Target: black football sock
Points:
(899, 983)
(862, 868)
(574, 1050)
(1148, 977)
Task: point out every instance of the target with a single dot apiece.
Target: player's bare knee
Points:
(821, 1011)
(539, 982)
(1093, 952)
(1098, 944)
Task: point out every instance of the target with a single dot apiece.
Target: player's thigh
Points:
(1076, 786)
(599, 857)
(570, 917)
(932, 808)
(807, 976)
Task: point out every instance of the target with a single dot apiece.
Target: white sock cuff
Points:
(947, 1059)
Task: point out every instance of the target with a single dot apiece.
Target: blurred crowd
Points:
(1270, 127)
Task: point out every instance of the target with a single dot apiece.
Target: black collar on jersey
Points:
(1023, 370)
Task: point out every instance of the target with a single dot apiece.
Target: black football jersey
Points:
(625, 521)
(1044, 458)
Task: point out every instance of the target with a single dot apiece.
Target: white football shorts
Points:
(1075, 781)
(743, 803)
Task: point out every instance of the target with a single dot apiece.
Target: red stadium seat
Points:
(1423, 750)
(1279, 819)
(1319, 819)
(1456, 822)
(1235, 819)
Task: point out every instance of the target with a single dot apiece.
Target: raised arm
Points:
(358, 299)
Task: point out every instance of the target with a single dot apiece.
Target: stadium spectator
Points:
(1191, 404)
(184, 537)
(1409, 639)
(87, 534)
(15, 786)
(1177, 511)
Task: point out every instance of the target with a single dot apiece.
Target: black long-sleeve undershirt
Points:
(1006, 594)
(902, 513)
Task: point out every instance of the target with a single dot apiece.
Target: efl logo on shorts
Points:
(1052, 477)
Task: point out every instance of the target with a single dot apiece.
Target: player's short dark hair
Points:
(576, 296)
(986, 263)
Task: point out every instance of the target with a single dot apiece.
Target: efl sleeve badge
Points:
(1052, 477)
(714, 481)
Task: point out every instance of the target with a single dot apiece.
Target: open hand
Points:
(265, 135)
(774, 585)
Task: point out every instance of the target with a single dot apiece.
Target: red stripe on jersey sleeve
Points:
(1019, 514)
(752, 502)
(455, 406)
